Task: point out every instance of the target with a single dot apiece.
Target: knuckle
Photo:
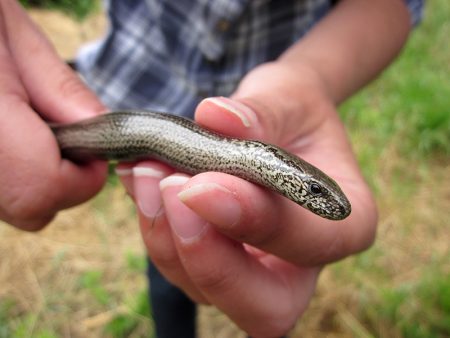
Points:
(273, 324)
(71, 87)
(25, 215)
(259, 225)
(28, 215)
(69, 84)
(333, 251)
(370, 232)
(264, 236)
(215, 279)
(346, 242)
(166, 259)
(28, 206)
(34, 224)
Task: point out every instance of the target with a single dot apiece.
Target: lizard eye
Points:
(315, 189)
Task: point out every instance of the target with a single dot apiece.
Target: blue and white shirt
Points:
(167, 55)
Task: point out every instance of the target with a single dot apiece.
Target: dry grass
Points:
(41, 271)
(66, 34)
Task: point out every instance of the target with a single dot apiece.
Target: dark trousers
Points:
(173, 312)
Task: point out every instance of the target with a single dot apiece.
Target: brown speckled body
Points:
(132, 135)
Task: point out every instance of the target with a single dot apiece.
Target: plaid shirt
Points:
(167, 55)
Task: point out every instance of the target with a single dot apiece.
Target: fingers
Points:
(142, 182)
(247, 213)
(34, 182)
(261, 294)
(30, 200)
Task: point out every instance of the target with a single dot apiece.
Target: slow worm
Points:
(179, 142)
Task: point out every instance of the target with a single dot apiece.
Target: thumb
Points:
(35, 183)
(231, 117)
(54, 90)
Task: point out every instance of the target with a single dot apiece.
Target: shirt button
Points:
(223, 25)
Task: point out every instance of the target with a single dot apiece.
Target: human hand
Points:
(36, 86)
(227, 242)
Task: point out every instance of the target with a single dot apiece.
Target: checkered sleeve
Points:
(415, 8)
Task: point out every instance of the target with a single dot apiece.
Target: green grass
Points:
(408, 106)
(134, 309)
(414, 309)
(93, 282)
(123, 325)
(109, 294)
(79, 9)
(17, 325)
(400, 128)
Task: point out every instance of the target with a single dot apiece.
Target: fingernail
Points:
(123, 171)
(186, 224)
(173, 181)
(240, 110)
(146, 190)
(126, 177)
(214, 202)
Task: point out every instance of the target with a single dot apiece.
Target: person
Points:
(267, 70)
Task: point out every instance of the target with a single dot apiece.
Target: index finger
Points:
(247, 213)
